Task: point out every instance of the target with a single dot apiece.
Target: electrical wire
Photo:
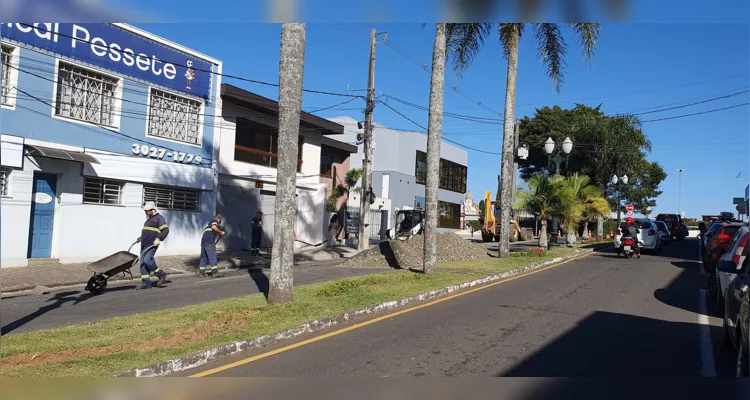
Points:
(698, 113)
(223, 75)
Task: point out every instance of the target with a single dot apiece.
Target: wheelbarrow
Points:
(115, 264)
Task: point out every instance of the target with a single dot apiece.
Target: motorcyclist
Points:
(629, 230)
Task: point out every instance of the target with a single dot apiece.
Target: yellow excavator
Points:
(490, 228)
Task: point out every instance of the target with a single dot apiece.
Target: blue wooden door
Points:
(42, 215)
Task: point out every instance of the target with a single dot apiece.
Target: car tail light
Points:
(723, 239)
(651, 232)
(737, 258)
(675, 228)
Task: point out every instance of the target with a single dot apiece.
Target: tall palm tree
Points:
(291, 72)
(434, 133)
(545, 195)
(464, 43)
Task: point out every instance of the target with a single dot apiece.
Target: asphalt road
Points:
(599, 316)
(73, 307)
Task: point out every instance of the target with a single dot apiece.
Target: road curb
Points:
(205, 356)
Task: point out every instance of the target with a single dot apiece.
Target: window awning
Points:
(60, 154)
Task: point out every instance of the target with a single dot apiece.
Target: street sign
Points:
(629, 208)
(738, 200)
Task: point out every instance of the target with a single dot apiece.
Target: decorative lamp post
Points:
(549, 148)
(622, 181)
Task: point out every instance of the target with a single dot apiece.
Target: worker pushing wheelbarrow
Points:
(154, 230)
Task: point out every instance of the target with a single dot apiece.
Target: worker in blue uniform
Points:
(155, 230)
(257, 233)
(208, 246)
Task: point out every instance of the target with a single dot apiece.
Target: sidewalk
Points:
(39, 278)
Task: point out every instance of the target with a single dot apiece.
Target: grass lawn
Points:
(119, 344)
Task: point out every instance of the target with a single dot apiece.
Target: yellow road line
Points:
(372, 321)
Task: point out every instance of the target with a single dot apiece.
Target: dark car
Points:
(677, 229)
(734, 268)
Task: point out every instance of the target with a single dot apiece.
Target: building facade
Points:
(97, 119)
(399, 171)
(247, 172)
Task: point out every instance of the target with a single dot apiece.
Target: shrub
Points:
(535, 252)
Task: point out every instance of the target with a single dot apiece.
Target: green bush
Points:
(535, 252)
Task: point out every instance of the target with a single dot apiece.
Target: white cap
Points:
(150, 205)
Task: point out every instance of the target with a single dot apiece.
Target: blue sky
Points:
(636, 66)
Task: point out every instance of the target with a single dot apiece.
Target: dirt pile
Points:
(409, 253)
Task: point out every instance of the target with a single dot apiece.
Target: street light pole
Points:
(549, 148)
(679, 193)
(619, 182)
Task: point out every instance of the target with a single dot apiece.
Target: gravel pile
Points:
(409, 253)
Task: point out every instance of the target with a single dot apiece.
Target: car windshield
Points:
(646, 225)
(662, 226)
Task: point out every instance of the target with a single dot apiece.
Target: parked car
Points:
(734, 276)
(663, 231)
(721, 237)
(677, 229)
(649, 239)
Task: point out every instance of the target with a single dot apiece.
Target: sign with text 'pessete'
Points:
(113, 48)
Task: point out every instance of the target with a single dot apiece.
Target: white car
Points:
(648, 239)
(693, 231)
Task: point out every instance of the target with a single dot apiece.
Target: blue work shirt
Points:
(209, 236)
(154, 227)
(258, 227)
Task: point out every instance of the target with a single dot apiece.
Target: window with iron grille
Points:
(86, 95)
(172, 198)
(4, 179)
(174, 117)
(5, 82)
(102, 191)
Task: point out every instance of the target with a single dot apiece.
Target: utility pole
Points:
(679, 193)
(366, 194)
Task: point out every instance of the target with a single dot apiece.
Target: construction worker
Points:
(208, 246)
(155, 230)
(257, 233)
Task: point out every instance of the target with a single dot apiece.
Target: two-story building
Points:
(247, 169)
(97, 119)
(400, 171)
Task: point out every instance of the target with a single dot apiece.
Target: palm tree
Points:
(291, 71)
(434, 133)
(346, 189)
(546, 195)
(464, 43)
(586, 204)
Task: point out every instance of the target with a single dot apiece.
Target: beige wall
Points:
(340, 168)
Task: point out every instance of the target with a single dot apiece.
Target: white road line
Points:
(708, 366)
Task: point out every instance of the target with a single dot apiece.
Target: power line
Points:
(694, 103)
(446, 139)
(198, 69)
(698, 113)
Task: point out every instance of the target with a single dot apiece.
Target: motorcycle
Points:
(627, 248)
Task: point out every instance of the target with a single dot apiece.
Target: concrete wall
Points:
(239, 200)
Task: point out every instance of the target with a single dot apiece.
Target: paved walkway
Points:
(39, 278)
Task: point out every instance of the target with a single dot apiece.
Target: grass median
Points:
(118, 344)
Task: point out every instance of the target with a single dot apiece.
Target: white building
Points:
(248, 175)
(90, 131)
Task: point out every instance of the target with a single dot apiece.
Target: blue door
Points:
(42, 215)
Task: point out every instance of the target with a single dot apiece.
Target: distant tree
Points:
(344, 189)
(548, 196)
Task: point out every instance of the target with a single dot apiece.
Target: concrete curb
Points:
(205, 356)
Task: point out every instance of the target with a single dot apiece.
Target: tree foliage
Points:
(344, 189)
(603, 146)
